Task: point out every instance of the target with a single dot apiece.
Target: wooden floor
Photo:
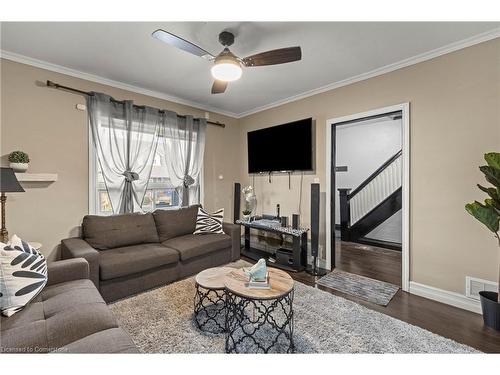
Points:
(445, 320)
(374, 262)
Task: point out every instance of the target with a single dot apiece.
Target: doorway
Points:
(367, 208)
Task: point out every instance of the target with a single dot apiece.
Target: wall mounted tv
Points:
(287, 147)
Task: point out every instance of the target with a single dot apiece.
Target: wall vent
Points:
(473, 286)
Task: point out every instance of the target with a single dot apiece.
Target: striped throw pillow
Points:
(23, 274)
(207, 223)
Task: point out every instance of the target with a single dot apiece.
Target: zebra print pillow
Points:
(23, 274)
(209, 223)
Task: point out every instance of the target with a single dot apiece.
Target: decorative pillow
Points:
(209, 223)
(23, 274)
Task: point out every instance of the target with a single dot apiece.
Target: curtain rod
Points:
(66, 88)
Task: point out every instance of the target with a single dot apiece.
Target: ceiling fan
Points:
(227, 66)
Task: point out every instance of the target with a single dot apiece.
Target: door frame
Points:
(330, 184)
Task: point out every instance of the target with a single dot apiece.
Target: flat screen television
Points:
(287, 147)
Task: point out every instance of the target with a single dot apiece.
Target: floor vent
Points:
(473, 286)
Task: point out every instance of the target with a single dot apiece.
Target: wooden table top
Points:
(281, 284)
(213, 278)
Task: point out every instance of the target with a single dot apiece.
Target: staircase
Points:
(372, 203)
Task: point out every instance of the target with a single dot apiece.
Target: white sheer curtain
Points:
(125, 138)
(183, 143)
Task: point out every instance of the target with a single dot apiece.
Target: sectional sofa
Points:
(131, 253)
(68, 316)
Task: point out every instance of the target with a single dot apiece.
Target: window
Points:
(159, 194)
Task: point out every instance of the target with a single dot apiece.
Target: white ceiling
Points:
(331, 52)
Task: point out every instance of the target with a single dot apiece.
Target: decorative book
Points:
(263, 284)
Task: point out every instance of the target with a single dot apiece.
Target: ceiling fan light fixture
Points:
(226, 70)
(227, 66)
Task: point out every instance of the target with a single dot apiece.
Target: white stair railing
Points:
(386, 182)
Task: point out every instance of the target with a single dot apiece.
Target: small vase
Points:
(246, 218)
(19, 167)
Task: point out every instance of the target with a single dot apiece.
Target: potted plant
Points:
(488, 213)
(250, 202)
(246, 215)
(19, 161)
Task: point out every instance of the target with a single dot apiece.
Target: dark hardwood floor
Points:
(370, 261)
(385, 265)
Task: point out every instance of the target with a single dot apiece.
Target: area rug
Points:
(161, 321)
(370, 290)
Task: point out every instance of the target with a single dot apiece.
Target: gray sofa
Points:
(68, 316)
(131, 253)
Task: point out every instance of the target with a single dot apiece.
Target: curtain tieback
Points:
(130, 176)
(188, 180)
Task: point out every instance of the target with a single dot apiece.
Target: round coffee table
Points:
(210, 299)
(259, 320)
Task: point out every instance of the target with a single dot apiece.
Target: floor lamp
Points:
(8, 184)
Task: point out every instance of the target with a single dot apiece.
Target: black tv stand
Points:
(299, 244)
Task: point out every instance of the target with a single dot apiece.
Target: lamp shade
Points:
(8, 181)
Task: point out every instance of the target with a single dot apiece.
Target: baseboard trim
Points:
(445, 296)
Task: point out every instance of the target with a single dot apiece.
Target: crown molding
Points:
(109, 82)
(480, 38)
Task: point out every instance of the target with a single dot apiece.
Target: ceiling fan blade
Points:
(180, 43)
(219, 87)
(273, 57)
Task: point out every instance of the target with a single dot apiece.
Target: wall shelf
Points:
(36, 177)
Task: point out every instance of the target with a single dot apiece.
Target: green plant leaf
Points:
(491, 174)
(485, 214)
(493, 159)
(19, 157)
(494, 193)
(491, 203)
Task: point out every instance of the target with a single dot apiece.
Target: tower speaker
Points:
(237, 201)
(315, 206)
(314, 219)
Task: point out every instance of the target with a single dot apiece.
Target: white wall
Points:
(363, 147)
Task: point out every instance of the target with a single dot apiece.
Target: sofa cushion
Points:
(60, 315)
(23, 274)
(113, 340)
(109, 232)
(175, 223)
(207, 223)
(192, 245)
(31, 313)
(129, 260)
(43, 306)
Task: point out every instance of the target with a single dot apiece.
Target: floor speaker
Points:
(314, 219)
(315, 206)
(237, 201)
